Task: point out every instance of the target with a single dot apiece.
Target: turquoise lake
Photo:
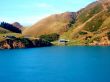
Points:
(55, 64)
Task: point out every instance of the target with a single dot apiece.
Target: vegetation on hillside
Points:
(4, 31)
(10, 27)
(88, 13)
(89, 26)
(108, 34)
(50, 37)
(92, 26)
(97, 22)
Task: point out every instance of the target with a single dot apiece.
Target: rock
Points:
(23, 43)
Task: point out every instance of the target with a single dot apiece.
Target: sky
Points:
(28, 12)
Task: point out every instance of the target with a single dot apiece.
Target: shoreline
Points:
(58, 46)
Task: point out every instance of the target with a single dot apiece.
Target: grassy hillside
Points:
(88, 26)
(57, 23)
(3, 31)
(92, 26)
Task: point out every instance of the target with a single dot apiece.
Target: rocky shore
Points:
(23, 43)
(103, 42)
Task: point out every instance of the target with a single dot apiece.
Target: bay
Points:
(56, 64)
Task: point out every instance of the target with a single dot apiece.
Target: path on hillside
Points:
(80, 27)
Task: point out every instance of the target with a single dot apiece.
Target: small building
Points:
(63, 41)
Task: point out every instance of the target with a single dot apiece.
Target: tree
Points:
(10, 27)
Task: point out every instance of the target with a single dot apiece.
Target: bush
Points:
(82, 33)
(41, 43)
(108, 35)
(50, 37)
(97, 39)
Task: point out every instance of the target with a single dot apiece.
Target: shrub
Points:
(50, 37)
(82, 33)
(108, 35)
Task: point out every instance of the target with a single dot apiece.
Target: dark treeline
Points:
(10, 27)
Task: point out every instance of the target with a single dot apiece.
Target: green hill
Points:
(92, 25)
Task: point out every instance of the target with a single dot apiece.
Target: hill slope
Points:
(4, 31)
(18, 25)
(57, 23)
(88, 26)
(92, 25)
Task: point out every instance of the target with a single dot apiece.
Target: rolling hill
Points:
(58, 23)
(18, 25)
(92, 26)
(88, 26)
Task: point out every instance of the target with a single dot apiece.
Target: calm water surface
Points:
(55, 64)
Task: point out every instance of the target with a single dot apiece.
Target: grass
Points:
(106, 23)
(88, 13)
(9, 34)
(97, 22)
(2, 31)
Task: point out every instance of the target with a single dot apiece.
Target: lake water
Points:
(55, 64)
